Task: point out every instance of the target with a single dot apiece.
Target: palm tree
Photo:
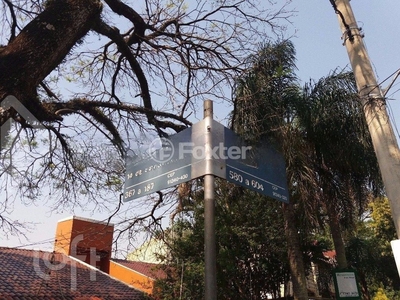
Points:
(330, 115)
(331, 165)
(262, 111)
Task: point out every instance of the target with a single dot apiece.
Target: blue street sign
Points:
(160, 168)
(147, 178)
(182, 157)
(268, 180)
(261, 168)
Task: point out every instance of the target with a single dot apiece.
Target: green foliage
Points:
(383, 293)
(325, 179)
(251, 257)
(382, 222)
(370, 252)
(380, 295)
(392, 294)
(263, 94)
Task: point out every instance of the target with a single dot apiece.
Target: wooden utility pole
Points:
(383, 138)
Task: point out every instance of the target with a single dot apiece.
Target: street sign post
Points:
(187, 155)
(207, 149)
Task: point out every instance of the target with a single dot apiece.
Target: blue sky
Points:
(319, 46)
(319, 50)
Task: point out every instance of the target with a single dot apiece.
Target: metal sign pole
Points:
(209, 212)
(263, 171)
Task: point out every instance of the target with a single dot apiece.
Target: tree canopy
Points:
(103, 77)
(333, 181)
(251, 247)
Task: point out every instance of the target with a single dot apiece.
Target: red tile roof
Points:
(147, 269)
(34, 275)
(330, 254)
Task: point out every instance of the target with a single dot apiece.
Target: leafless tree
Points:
(102, 76)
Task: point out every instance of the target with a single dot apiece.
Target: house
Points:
(79, 268)
(30, 274)
(149, 251)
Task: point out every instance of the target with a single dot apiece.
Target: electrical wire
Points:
(88, 232)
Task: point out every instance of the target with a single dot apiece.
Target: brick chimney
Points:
(85, 239)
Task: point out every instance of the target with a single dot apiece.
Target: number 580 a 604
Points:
(235, 176)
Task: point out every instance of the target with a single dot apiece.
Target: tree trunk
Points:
(295, 255)
(364, 285)
(40, 47)
(336, 233)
